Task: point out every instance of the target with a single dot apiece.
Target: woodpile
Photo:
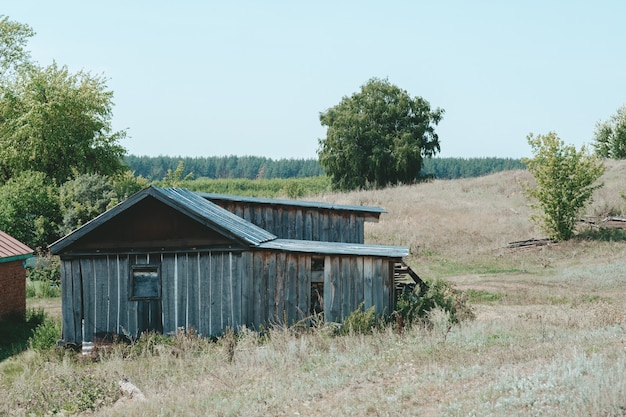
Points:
(605, 222)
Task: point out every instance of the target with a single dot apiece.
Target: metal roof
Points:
(12, 249)
(293, 203)
(335, 248)
(185, 201)
(198, 207)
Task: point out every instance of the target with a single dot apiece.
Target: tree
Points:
(565, 180)
(13, 53)
(610, 136)
(176, 178)
(56, 122)
(29, 209)
(127, 184)
(84, 198)
(378, 136)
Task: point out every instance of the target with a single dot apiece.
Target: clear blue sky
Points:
(209, 78)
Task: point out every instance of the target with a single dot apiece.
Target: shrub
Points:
(565, 181)
(46, 335)
(361, 321)
(44, 277)
(415, 305)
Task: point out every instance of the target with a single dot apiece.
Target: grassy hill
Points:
(548, 339)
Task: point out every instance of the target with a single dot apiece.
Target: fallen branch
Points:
(531, 243)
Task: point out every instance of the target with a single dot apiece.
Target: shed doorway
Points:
(317, 285)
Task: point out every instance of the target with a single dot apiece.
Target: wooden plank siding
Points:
(210, 291)
(302, 223)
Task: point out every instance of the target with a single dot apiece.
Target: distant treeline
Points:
(154, 168)
(454, 168)
(250, 167)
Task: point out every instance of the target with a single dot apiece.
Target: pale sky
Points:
(208, 78)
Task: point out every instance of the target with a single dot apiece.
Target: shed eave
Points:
(375, 211)
(334, 248)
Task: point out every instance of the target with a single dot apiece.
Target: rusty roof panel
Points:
(13, 249)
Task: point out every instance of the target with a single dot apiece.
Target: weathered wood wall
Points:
(211, 291)
(302, 223)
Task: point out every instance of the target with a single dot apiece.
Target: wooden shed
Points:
(13, 253)
(169, 258)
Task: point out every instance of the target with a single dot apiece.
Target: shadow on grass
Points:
(606, 235)
(17, 331)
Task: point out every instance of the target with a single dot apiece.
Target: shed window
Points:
(145, 282)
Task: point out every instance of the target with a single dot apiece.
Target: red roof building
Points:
(13, 253)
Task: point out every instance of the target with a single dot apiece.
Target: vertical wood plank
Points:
(182, 292)
(259, 217)
(168, 293)
(299, 225)
(235, 278)
(368, 282)
(387, 273)
(325, 233)
(291, 288)
(378, 286)
(332, 289)
(279, 300)
(360, 231)
(269, 213)
(113, 292)
(315, 226)
(101, 293)
(216, 293)
(304, 286)
(86, 268)
(68, 307)
(359, 281)
(347, 288)
(307, 228)
(259, 314)
(122, 269)
(247, 289)
(205, 294)
(193, 302)
(79, 299)
(288, 223)
(270, 271)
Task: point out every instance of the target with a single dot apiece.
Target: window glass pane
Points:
(145, 282)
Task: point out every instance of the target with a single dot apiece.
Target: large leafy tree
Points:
(377, 137)
(13, 53)
(57, 122)
(83, 198)
(29, 209)
(610, 136)
(565, 180)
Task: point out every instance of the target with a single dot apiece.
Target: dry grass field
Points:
(549, 338)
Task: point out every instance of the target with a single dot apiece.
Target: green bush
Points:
(46, 335)
(361, 321)
(414, 306)
(44, 277)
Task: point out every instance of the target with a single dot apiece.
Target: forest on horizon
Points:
(155, 168)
